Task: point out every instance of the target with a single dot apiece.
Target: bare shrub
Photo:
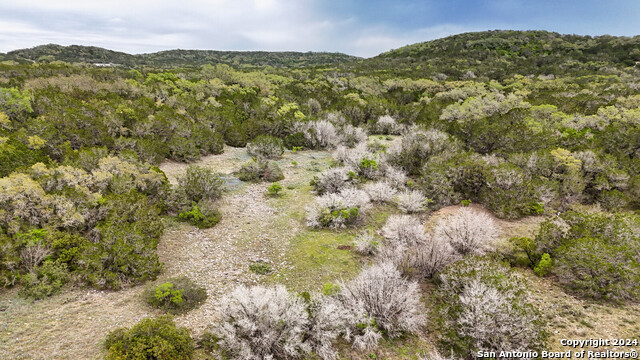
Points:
(338, 210)
(365, 163)
(435, 355)
(399, 255)
(403, 230)
(386, 125)
(34, 254)
(380, 191)
(328, 321)
(431, 257)
(351, 135)
(336, 118)
(263, 323)
(355, 198)
(412, 201)
(485, 308)
(468, 231)
(389, 301)
(367, 244)
(412, 150)
(395, 176)
(266, 147)
(331, 180)
(319, 134)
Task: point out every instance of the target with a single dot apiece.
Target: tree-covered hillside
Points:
(175, 58)
(498, 54)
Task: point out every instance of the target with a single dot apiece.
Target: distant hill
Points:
(499, 53)
(488, 54)
(175, 58)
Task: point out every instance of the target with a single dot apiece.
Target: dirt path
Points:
(253, 228)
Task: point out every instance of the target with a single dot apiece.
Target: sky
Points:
(356, 27)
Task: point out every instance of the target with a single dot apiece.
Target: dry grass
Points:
(569, 317)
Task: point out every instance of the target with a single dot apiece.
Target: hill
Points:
(176, 58)
(498, 53)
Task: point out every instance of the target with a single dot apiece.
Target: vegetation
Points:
(175, 296)
(595, 255)
(256, 171)
(484, 307)
(492, 132)
(157, 338)
(174, 58)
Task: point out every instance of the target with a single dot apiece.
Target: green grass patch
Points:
(260, 268)
(315, 259)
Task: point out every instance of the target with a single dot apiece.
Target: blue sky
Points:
(357, 27)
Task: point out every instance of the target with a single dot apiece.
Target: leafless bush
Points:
(387, 125)
(351, 135)
(338, 210)
(352, 157)
(355, 198)
(381, 294)
(367, 244)
(263, 323)
(403, 230)
(468, 231)
(486, 308)
(401, 256)
(412, 150)
(328, 321)
(435, 355)
(336, 118)
(380, 191)
(431, 257)
(332, 180)
(423, 259)
(395, 176)
(490, 318)
(319, 134)
(33, 255)
(412, 201)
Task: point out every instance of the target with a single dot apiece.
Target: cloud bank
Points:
(363, 28)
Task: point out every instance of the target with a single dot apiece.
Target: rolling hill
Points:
(175, 58)
(490, 54)
(498, 53)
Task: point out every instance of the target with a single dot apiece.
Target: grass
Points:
(315, 259)
(570, 316)
(260, 268)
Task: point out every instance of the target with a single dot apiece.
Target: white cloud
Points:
(137, 26)
(374, 41)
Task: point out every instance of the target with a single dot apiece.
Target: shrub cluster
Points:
(338, 210)
(204, 218)
(157, 338)
(175, 296)
(483, 307)
(266, 147)
(256, 171)
(259, 322)
(592, 254)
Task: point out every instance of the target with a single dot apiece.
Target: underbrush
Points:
(175, 296)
